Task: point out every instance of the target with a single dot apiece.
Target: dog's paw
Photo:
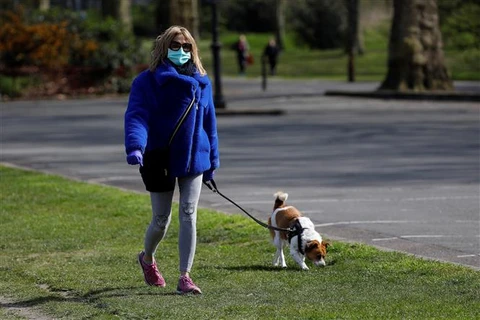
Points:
(305, 268)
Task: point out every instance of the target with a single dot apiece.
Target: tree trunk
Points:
(352, 36)
(125, 14)
(162, 15)
(120, 10)
(109, 8)
(43, 5)
(185, 13)
(280, 23)
(415, 54)
(354, 32)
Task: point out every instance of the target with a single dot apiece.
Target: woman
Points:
(242, 48)
(170, 150)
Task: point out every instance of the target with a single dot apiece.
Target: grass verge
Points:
(68, 250)
(299, 62)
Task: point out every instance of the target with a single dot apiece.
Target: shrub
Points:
(461, 27)
(320, 24)
(40, 44)
(82, 50)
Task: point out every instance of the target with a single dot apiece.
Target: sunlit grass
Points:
(69, 249)
(297, 61)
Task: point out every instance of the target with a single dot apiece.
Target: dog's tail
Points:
(280, 198)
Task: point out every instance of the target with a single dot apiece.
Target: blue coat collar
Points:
(165, 72)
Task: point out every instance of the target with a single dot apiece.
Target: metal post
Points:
(218, 97)
(264, 72)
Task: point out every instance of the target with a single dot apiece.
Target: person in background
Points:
(243, 51)
(175, 82)
(272, 51)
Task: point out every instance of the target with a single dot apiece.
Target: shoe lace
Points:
(187, 282)
(151, 270)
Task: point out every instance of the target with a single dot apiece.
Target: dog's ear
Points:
(311, 245)
(326, 244)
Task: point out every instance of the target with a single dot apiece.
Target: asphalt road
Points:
(401, 175)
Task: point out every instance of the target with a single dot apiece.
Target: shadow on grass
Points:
(291, 267)
(91, 297)
(256, 268)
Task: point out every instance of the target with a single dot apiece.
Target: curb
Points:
(249, 112)
(387, 94)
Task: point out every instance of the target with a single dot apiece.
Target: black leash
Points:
(213, 186)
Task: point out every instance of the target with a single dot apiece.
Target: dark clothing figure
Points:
(271, 52)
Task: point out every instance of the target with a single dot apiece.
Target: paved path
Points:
(402, 175)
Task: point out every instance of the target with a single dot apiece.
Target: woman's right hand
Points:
(135, 157)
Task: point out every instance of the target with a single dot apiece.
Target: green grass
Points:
(69, 249)
(12, 86)
(299, 62)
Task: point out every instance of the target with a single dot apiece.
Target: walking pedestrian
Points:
(171, 132)
(243, 52)
(272, 51)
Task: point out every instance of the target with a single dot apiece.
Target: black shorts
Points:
(154, 172)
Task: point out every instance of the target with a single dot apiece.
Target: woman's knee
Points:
(188, 211)
(161, 222)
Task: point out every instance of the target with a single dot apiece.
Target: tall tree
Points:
(415, 54)
(185, 13)
(120, 10)
(162, 15)
(280, 23)
(44, 5)
(352, 36)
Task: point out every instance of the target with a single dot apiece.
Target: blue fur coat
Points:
(156, 102)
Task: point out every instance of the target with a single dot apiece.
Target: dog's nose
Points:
(320, 263)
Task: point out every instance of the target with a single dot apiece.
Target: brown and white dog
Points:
(304, 241)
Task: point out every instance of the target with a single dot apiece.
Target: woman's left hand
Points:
(208, 175)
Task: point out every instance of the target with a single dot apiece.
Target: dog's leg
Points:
(279, 258)
(276, 257)
(282, 256)
(300, 259)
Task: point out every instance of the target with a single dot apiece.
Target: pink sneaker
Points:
(186, 285)
(150, 272)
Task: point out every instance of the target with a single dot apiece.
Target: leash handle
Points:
(213, 186)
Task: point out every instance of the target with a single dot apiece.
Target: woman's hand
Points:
(135, 157)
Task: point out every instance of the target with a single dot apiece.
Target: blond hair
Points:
(160, 50)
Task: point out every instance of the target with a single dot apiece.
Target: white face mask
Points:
(178, 57)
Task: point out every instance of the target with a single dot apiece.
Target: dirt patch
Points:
(21, 310)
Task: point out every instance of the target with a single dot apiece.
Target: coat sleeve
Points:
(210, 127)
(136, 119)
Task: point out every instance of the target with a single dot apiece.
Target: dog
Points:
(303, 240)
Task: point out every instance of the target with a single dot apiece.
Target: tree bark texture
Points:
(352, 36)
(120, 10)
(44, 5)
(125, 14)
(280, 23)
(185, 13)
(415, 54)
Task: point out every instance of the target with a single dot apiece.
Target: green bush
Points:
(248, 15)
(40, 43)
(81, 47)
(115, 46)
(320, 24)
(461, 29)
